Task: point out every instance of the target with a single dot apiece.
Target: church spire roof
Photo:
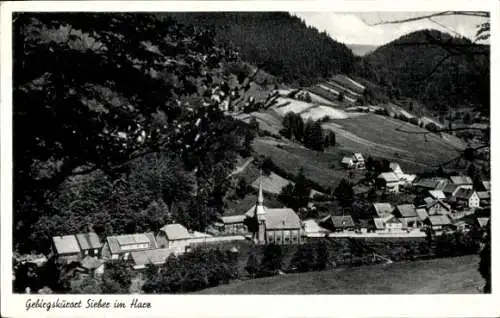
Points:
(260, 199)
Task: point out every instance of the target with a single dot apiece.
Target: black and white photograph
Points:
(233, 152)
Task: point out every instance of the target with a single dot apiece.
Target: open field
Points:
(321, 167)
(456, 275)
(377, 136)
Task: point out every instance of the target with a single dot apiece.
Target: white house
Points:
(120, 246)
(390, 181)
(467, 198)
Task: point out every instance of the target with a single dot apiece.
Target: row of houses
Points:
(138, 248)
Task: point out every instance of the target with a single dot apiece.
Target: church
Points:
(273, 226)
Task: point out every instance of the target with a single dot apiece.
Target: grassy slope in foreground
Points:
(458, 275)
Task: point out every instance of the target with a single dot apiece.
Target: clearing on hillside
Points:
(457, 275)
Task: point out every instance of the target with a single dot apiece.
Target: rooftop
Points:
(388, 176)
(88, 241)
(282, 219)
(340, 221)
(461, 180)
(155, 256)
(439, 219)
(176, 232)
(383, 208)
(407, 210)
(66, 244)
(115, 247)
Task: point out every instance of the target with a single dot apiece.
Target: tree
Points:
(303, 260)
(296, 196)
(314, 136)
(322, 256)
(340, 98)
(344, 193)
(252, 266)
(272, 260)
(137, 100)
(242, 189)
(117, 278)
(86, 285)
(485, 260)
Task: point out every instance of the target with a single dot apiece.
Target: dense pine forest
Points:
(279, 43)
(435, 68)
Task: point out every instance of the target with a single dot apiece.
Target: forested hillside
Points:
(279, 43)
(453, 73)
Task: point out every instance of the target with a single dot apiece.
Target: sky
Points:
(355, 28)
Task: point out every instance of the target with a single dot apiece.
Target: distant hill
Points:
(277, 42)
(402, 66)
(361, 49)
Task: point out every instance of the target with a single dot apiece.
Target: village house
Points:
(481, 222)
(389, 224)
(234, 224)
(355, 161)
(120, 246)
(464, 182)
(347, 162)
(431, 184)
(381, 209)
(484, 198)
(450, 190)
(274, 226)
(140, 259)
(486, 186)
(422, 214)
(434, 207)
(89, 243)
(439, 222)
(312, 228)
(174, 236)
(437, 194)
(404, 178)
(66, 249)
(389, 181)
(338, 223)
(467, 198)
(92, 265)
(407, 214)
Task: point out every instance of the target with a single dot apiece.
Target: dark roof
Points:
(88, 241)
(487, 185)
(483, 195)
(233, 219)
(464, 194)
(450, 188)
(461, 180)
(340, 221)
(439, 219)
(431, 183)
(407, 210)
(115, 241)
(383, 208)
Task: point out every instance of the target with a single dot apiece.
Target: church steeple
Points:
(259, 207)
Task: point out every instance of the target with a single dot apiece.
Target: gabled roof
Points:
(114, 241)
(311, 226)
(276, 219)
(388, 176)
(486, 185)
(176, 232)
(432, 183)
(66, 244)
(464, 194)
(383, 208)
(358, 156)
(422, 214)
(340, 221)
(91, 262)
(407, 210)
(233, 219)
(88, 241)
(381, 222)
(461, 180)
(394, 166)
(450, 188)
(483, 221)
(439, 219)
(347, 160)
(437, 194)
(428, 200)
(155, 256)
(485, 195)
